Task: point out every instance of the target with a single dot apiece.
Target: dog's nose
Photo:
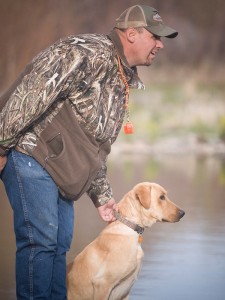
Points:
(181, 213)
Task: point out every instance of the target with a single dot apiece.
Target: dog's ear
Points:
(143, 194)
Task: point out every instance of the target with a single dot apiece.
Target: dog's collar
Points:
(130, 224)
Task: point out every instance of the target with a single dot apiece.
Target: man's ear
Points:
(131, 34)
(143, 194)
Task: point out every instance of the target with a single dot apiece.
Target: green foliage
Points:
(202, 130)
(222, 174)
(169, 111)
(222, 128)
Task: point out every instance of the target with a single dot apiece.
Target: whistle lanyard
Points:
(128, 127)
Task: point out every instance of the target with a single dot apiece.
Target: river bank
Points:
(169, 145)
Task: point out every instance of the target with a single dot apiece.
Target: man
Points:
(57, 124)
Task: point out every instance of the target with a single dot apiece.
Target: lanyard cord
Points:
(127, 89)
(127, 93)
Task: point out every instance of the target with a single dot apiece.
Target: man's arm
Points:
(100, 193)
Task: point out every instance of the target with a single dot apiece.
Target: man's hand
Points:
(106, 211)
(3, 160)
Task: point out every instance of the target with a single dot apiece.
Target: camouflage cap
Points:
(147, 17)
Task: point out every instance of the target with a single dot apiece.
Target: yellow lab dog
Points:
(107, 268)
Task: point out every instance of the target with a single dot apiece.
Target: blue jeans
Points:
(43, 224)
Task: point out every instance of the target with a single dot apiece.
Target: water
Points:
(185, 260)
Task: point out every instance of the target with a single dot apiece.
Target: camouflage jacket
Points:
(83, 69)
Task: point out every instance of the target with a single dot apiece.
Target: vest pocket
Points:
(55, 145)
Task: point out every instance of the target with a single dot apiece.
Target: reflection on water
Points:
(185, 260)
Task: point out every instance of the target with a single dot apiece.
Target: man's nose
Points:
(159, 44)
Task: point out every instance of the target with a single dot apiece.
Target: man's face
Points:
(147, 45)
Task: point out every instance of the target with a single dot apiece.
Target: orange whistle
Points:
(128, 128)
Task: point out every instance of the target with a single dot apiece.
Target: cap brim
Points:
(163, 31)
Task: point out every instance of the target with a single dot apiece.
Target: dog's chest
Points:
(125, 285)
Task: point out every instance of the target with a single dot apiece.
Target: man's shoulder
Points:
(88, 41)
(74, 47)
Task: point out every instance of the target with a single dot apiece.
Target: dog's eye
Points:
(162, 197)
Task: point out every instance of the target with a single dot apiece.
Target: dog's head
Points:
(149, 203)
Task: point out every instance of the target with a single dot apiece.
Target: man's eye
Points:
(156, 37)
(162, 197)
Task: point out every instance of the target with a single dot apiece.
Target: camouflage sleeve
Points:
(35, 92)
(100, 191)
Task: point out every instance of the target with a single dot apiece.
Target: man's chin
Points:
(148, 64)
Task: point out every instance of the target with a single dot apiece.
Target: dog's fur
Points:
(107, 268)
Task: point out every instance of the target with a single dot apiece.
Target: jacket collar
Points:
(119, 47)
(135, 81)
